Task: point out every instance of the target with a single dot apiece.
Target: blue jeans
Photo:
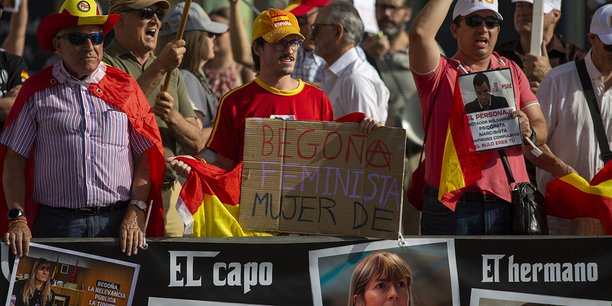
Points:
(53, 222)
(491, 216)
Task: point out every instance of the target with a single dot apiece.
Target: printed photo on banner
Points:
(489, 101)
(481, 297)
(419, 272)
(51, 276)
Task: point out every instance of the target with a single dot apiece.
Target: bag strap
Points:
(507, 168)
(598, 126)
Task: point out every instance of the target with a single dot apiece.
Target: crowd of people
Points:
(104, 122)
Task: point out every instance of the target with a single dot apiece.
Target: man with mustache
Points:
(352, 84)
(275, 42)
(132, 50)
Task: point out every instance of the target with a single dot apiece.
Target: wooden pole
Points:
(179, 35)
(537, 27)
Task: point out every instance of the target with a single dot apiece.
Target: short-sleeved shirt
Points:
(83, 144)
(117, 56)
(259, 100)
(436, 90)
(13, 72)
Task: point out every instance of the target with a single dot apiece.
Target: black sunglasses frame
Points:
(79, 39)
(475, 21)
(148, 12)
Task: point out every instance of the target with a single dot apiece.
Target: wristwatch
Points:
(139, 204)
(14, 214)
(533, 135)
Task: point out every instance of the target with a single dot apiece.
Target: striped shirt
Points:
(83, 145)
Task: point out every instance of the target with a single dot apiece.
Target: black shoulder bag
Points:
(528, 215)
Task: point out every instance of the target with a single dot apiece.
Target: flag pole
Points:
(537, 27)
(179, 35)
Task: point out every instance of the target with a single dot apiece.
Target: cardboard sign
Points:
(489, 101)
(322, 178)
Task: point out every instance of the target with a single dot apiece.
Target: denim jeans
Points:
(471, 217)
(53, 222)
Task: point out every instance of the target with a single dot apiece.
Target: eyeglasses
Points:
(148, 12)
(281, 45)
(475, 21)
(316, 26)
(79, 39)
(385, 7)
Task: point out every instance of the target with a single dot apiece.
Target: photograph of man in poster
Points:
(484, 99)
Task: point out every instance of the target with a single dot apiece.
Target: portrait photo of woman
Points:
(36, 289)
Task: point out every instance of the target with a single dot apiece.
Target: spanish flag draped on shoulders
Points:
(134, 104)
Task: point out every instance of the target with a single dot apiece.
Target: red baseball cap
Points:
(301, 7)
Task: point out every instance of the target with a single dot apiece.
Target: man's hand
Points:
(368, 125)
(536, 68)
(180, 167)
(524, 124)
(18, 237)
(164, 106)
(131, 233)
(376, 45)
(171, 55)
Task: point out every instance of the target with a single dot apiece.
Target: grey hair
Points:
(344, 13)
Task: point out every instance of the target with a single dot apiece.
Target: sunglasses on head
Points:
(148, 12)
(475, 21)
(78, 39)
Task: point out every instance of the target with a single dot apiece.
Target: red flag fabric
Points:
(571, 196)
(112, 89)
(461, 164)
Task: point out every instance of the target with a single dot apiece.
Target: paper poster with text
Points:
(60, 277)
(489, 101)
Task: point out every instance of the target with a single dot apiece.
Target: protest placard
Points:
(322, 177)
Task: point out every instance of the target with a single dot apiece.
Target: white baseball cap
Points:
(601, 24)
(549, 5)
(466, 7)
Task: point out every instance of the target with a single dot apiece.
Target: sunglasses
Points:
(148, 12)
(79, 39)
(317, 26)
(475, 21)
(281, 45)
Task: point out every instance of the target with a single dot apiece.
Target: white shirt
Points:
(353, 85)
(570, 127)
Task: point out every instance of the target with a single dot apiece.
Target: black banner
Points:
(279, 270)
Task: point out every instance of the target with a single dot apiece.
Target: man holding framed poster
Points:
(466, 191)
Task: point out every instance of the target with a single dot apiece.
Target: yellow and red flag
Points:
(461, 164)
(571, 196)
(209, 201)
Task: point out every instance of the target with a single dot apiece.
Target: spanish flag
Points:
(461, 164)
(209, 201)
(571, 196)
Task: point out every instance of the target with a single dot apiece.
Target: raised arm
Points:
(424, 51)
(238, 36)
(14, 42)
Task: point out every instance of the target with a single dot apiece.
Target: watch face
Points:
(14, 213)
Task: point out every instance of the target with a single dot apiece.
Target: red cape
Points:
(111, 89)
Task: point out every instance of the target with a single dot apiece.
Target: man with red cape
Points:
(91, 131)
